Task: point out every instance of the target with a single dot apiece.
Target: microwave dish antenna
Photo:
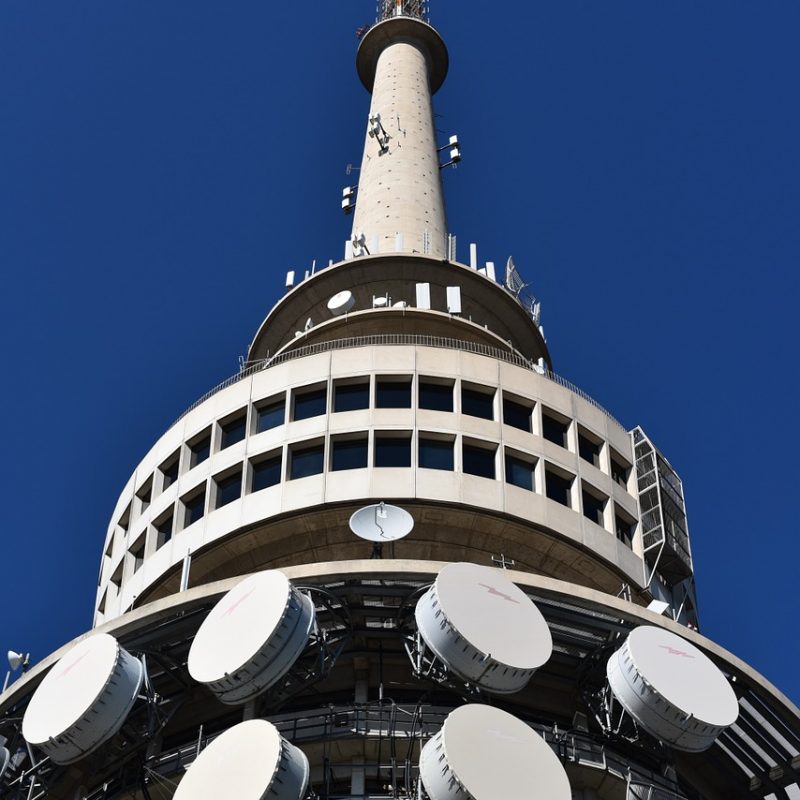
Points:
(341, 303)
(672, 689)
(250, 760)
(252, 637)
(484, 753)
(483, 627)
(84, 699)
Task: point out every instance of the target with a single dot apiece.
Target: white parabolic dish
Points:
(250, 761)
(484, 627)
(381, 523)
(83, 700)
(341, 303)
(672, 689)
(484, 753)
(251, 637)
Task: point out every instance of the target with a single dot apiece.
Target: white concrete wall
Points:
(326, 369)
(400, 191)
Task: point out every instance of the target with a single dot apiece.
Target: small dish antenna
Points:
(15, 661)
(341, 303)
(381, 523)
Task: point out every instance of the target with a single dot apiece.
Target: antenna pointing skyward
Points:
(402, 8)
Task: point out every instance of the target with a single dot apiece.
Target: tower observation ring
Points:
(398, 29)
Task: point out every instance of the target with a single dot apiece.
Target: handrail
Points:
(412, 722)
(407, 339)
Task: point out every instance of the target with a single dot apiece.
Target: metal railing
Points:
(412, 725)
(399, 339)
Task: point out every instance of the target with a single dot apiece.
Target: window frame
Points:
(478, 445)
(301, 392)
(477, 390)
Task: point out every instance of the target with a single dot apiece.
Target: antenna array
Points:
(403, 8)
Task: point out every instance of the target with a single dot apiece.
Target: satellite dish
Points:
(83, 700)
(484, 753)
(381, 523)
(250, 761)
(672, 689)
(251, 637)
(400, 304)
(341, 303)
(459, 620)
(5, 758)
(17, 660)
(380, 301)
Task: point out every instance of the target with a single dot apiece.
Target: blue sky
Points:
(162, 164)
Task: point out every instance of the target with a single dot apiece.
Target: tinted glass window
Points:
(516, 415)
(194, 509)
(229, 489)
(519, 473)
(624, 530)
(435, 396)
(619, 472)
(435, 454)
(137, 552)
(477, 404)
(307, 461)
(145, 495)
(233, 431)
(270, 416)
(266, 473)
(589, 451)
(592, 507)
(351, 397)
(393, 394)
(391, 451)
(557, 488)
(554, 430)
(478, 461)
(200, 451)
(170, 473)
(310, 404)
(164, 531)
(349, 454)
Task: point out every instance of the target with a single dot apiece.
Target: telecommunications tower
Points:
(396, 556)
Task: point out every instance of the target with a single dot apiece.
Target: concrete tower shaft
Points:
(400, 204)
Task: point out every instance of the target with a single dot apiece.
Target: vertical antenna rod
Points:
(399, 8)
(402, 61)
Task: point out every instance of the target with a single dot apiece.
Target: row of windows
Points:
(387, 392)
(381, 449)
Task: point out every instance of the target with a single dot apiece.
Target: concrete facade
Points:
(400, 203)
(567, 536)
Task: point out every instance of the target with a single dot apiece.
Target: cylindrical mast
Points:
(400, 205)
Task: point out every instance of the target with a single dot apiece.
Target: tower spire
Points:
(402, 61)
(401, 8)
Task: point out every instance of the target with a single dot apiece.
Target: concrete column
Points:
(400, 185)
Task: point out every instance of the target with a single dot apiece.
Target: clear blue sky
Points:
(162, 164)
